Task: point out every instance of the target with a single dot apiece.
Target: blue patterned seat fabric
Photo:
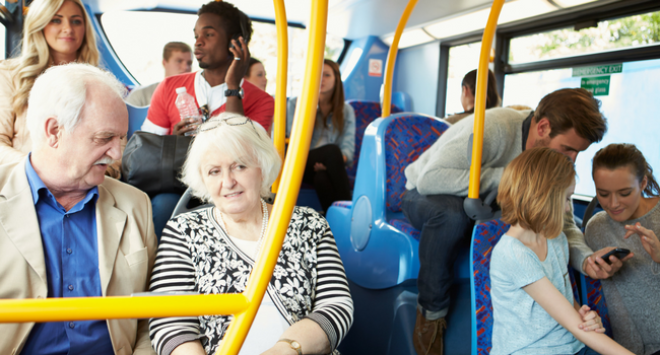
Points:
(343, 204)
(596, 301)
(365, 113)
(405, 227)
(406, 138)
(485, 236)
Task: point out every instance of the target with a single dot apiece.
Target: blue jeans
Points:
(445, 228)
(162, 206)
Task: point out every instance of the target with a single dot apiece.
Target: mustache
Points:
(104, 161)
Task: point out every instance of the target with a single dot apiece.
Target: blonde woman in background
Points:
(56, 32)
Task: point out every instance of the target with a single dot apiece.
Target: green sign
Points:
(598, 70)
(597, 85)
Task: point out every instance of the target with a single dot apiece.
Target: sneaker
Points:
(428, 335)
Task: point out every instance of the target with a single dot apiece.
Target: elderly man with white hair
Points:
(65, 229)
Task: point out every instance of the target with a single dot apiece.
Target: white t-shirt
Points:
(269, 324)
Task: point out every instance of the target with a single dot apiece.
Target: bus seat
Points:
(592, 293)
(403, 100)
(365, 113)
(375, 253)
(188, 203)
(136, 116)
(484, 238)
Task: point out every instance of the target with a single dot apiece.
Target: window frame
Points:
(187, 12)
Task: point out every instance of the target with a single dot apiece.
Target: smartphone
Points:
(235, 37)
(620, 253)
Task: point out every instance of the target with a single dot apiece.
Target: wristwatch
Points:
(238, 93)
(293, 344)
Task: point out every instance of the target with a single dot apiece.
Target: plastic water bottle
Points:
(186, 105)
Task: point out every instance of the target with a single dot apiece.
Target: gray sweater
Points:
(444, 168)
(632, 294)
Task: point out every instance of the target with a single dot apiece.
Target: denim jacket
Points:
(344, 139)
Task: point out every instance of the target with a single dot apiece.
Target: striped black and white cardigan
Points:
(195, 255)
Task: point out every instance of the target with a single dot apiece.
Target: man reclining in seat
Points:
(567, 120)
(65, 229)
(219, 87)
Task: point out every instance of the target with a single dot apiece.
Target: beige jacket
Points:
(126, 243)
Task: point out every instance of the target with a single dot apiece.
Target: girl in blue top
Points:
(534, 311)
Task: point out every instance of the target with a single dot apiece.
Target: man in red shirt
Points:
(222, 33)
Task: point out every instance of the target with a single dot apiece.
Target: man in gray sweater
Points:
(567, 120)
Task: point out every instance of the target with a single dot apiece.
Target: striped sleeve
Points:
(333, 306)
(173, 272)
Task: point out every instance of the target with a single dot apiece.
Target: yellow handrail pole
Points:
(391, 59)
(279, 118)
(92, 308)
(480, 98)
(301, 133)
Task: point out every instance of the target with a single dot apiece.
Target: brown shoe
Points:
(428, 335)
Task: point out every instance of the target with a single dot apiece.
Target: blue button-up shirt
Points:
(69, 241)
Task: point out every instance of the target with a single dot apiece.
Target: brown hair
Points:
(573, 108)
(175, 47)
(492, 96)
(252, 61)
(337, 98)
(532, 190)
(615, 156)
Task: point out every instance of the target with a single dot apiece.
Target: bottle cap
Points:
(181, 90)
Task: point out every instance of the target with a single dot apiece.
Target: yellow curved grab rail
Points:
(292, 172)
(244, 306)
(279, 118)
(480, 98)
(391, 59)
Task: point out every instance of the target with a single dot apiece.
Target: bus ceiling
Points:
(353, 19)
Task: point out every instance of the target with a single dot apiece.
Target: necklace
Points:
(264, 222)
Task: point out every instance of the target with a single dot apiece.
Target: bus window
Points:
(142, 54)
(462, 59)
(626, 32)
(630, 107)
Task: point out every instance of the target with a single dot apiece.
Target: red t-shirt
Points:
(257, 104)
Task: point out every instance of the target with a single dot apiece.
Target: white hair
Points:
(60, 92)
(236, 141)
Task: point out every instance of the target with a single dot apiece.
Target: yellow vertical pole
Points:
(279, 118)
(480, 98)
(391, 59)
(292, 173)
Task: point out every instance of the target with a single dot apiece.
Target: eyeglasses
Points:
(230, 121)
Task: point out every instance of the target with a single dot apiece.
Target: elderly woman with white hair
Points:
(307, 308)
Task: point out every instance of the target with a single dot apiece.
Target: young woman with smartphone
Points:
(628, 192)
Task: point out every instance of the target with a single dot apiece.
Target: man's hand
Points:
(184, 126)
(239, 65)
(591, 319)
(649, 240)
(597, 268)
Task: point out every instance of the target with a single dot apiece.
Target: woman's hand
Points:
(649, 240)
(598, 269)
(591, 319)
(280, 348)
(319, 167)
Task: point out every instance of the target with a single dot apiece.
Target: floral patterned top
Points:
(196, 255)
